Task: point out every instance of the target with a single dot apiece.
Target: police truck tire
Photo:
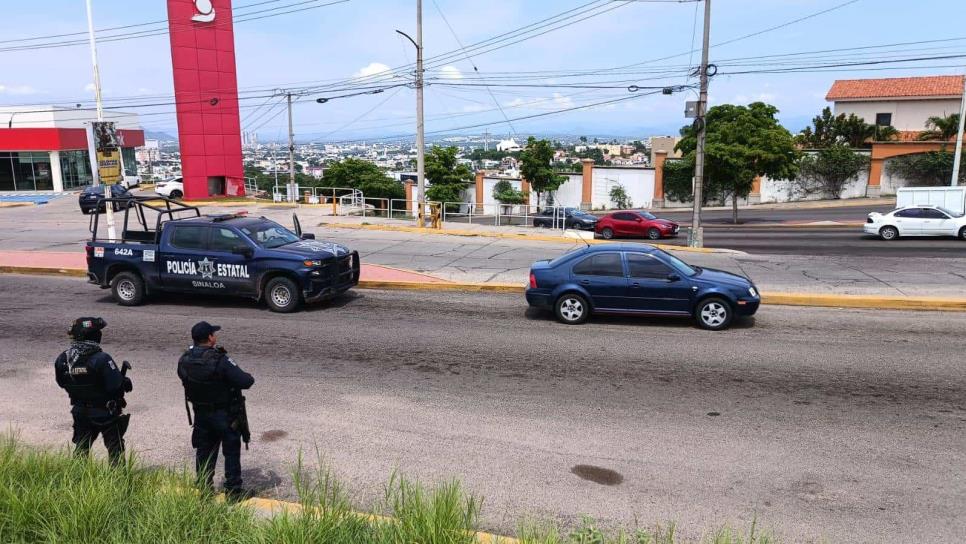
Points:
(282, 295)
(128, 289)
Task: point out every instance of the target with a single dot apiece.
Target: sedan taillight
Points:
(533, 281)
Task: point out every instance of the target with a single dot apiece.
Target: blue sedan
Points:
(638, 279)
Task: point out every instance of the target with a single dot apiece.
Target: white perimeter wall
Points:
(637, 182)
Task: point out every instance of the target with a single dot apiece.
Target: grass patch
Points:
(50, 496)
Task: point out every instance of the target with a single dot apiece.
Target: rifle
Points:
(240, 422)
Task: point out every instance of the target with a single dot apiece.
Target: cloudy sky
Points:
(568, 54)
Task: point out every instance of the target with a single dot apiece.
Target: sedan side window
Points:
(604, 264)
(929, 213)
(624, 217)
(645, 266)
(911, 212)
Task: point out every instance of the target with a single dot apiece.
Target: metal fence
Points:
(343, 196)
(518, 215)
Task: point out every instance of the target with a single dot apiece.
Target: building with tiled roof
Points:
(903, 102)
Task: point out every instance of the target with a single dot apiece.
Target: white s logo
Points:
(206, 12)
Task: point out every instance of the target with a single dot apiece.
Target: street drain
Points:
(598, 475)
(273, 435)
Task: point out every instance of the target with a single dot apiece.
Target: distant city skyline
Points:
(322, 44)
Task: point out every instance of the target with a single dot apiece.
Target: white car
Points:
(916, 221)
(172, 188)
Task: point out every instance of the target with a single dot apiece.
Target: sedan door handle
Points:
(584, 282)
(635, 285)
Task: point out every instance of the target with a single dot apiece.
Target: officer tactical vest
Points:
(82, 382)
(202, 384)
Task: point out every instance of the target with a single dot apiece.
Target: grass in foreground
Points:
(52, 497)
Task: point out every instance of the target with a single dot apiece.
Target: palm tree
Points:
(941, 128)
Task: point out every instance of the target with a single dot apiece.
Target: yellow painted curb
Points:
(42, 271)
(16, 204)
(278, 507)
(863, 301)
(517, 236)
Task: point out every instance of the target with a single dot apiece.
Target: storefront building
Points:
(45, 148)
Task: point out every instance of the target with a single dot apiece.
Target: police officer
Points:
(213, 383)
(96, 388)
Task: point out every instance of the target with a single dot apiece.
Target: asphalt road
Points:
(776, 215)
(846, 425)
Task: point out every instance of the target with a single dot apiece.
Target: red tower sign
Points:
(206, 92)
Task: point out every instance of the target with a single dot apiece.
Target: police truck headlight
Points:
(753, 292)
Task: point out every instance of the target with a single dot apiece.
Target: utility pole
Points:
(697, 231)
(959, 138)
(292, 190)
(420, 127)
(91, 147)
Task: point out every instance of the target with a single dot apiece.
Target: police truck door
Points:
(231, 253)
(182, 259)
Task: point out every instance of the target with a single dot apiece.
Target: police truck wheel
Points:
(282, 295)
(128, 289)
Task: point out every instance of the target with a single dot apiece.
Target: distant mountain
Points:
(157, 135)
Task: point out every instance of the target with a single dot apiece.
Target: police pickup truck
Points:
(165, 246)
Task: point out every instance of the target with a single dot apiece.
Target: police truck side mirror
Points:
(308, 236)
(243, 250)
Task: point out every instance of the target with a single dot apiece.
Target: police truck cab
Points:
(166, 246)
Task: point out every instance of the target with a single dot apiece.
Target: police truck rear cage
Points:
(165, 208)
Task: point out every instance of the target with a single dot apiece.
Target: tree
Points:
(827, 171)
(363, 175)
(447, 177)
(743, 142)
(933, 168)
(583, 139)
(620, 198)
(504, 192)
(852, 130)
(535, 167)
(941, 128)
(593, 153)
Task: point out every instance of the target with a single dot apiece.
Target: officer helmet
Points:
(87, 328)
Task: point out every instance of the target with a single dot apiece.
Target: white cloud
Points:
(450, 72)
(89, 88)
(561, 102)
(760, 97)
(17, 89)
(372, 69)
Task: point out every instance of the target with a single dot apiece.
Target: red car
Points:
(633, 224)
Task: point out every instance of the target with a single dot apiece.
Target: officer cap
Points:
(86, 328)
(202, 330)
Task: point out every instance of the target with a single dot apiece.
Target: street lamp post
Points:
(420, 128)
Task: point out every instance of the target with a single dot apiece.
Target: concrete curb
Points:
(525, 237)
(275, 507)
(769, 298)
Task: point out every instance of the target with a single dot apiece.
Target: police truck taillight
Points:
(533, 281)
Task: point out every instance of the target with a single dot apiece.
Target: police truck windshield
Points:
(270, 235)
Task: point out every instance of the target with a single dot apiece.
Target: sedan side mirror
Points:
(673, 277)
(243, 250)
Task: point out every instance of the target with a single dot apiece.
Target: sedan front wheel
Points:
(714, 314)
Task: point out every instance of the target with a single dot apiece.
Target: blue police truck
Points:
(161, 245)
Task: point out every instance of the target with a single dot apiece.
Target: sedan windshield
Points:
(678, 264)
(647, 215)
(270, 234)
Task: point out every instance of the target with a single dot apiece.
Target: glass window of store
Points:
(130, 161)
(6, 172)
(75, 167)
(28, 171)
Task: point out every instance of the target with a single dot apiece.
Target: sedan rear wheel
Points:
(607, 233)
(653, 234)
(962, 233)
(889, 233)
(572, 309)
(713, 314)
